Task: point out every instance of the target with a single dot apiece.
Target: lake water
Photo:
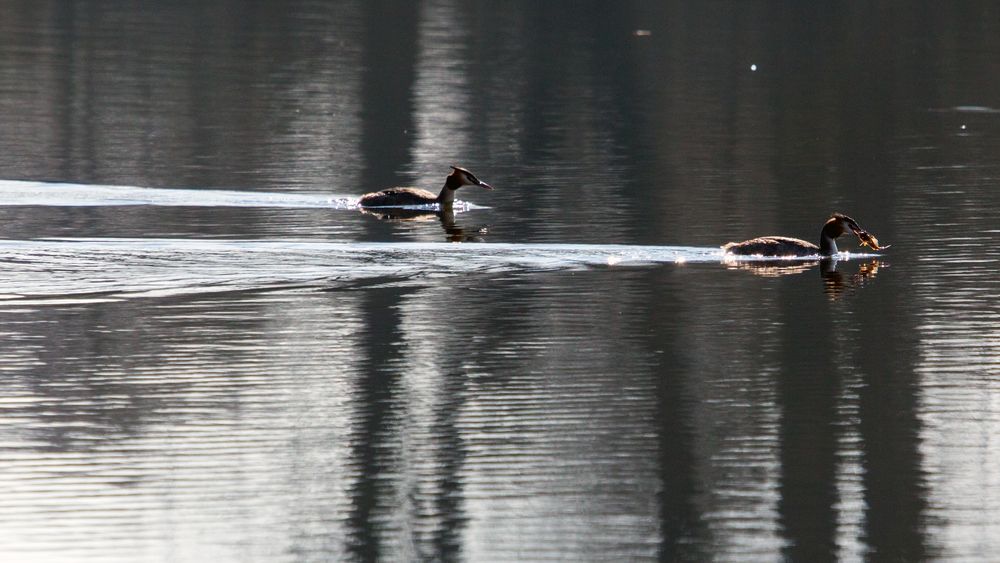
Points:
(209, 353)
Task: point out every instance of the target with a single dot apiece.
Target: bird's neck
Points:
(827, 239)
(447, 195)
(827, 245)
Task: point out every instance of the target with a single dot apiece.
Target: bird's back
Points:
(772, 246)
(397, 196)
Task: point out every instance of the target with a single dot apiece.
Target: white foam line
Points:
(17, 192)
(514, 252)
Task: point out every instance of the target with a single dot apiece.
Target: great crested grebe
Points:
(394, 197)
(837, 225)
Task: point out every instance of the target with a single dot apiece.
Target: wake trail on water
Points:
(18, 192)
(87, 269)
(123, 268)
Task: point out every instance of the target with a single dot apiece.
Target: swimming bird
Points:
(395, 197)
(837, 225)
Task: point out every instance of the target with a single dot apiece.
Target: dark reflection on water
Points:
(279, 397)
(454, 230)
(836, 282)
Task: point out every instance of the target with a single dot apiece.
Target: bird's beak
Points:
(485, 186)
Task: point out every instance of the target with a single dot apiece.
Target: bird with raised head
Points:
(396, 197)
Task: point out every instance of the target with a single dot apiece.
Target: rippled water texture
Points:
(208, 352)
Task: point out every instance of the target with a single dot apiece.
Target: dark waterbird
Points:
(396, 197)
(838, 224)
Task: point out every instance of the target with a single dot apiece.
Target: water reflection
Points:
(454, 231)
(394, 440)
(835, 281)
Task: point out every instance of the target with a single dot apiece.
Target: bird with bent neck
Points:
(776, 246)
(396, 197)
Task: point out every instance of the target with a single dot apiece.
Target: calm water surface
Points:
(208, 353)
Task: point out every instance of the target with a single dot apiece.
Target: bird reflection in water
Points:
(454, 231)
(836, 282)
